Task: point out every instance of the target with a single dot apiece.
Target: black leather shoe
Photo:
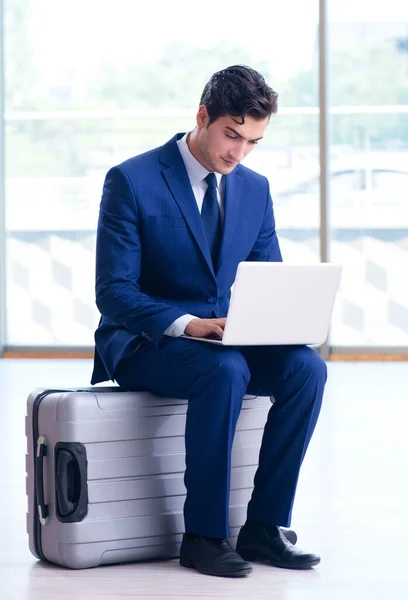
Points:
(267, 543)
(212, 556)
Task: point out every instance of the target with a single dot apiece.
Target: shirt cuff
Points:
(177, 328)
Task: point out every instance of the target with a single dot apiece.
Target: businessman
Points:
(174, 223)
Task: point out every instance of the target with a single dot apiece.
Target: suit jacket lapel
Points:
(179, 184)
(232, 201)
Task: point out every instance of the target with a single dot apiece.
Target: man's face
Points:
(226, 142)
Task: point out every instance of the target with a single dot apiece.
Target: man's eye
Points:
(232, 137)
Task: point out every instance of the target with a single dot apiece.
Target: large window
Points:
(369, 171)
(89, 84)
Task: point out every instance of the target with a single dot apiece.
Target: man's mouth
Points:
(229, 163)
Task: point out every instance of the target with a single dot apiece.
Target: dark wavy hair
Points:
(238, 91)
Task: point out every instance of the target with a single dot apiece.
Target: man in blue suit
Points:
(174, 223)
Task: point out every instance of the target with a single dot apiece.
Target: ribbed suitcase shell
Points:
(134, 444)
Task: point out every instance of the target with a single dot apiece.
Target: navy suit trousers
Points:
(214, 379)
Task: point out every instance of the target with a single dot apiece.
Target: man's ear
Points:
(203, 119)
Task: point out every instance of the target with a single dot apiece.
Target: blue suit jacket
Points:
(153, 262)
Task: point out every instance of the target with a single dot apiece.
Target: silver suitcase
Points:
(105, 474)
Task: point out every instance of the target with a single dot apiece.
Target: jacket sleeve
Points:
(118, 263)
(266, 247)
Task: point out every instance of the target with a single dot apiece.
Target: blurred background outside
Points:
(87, 86)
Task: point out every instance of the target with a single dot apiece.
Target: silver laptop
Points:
(278, 304)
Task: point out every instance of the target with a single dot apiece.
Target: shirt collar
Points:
(195, 170)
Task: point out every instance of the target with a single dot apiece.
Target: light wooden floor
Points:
(352, 502)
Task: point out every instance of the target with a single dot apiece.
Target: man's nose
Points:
(238, 153)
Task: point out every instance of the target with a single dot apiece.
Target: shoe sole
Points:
(259, 558)
(188, 564)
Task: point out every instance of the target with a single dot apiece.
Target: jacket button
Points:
(211, 300)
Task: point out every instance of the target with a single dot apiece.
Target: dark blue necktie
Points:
(210, 214)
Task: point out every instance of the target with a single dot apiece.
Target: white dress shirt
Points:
(196, 174)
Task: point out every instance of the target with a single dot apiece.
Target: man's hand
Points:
(206, 328)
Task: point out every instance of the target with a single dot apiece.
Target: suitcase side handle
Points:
(71, 482)
(39, 479)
